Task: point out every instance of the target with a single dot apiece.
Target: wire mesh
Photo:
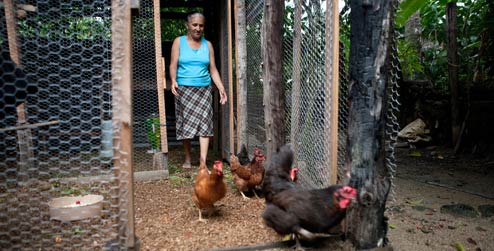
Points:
(307, 122)
(56, 127)
(146, 129)
(255, 109)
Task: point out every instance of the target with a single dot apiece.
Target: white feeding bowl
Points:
(76, 207)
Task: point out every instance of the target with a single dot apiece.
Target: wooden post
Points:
(453, 65)
(241, 63)
(230, 76)
(296, 89)
(272, 45)
(122, 114)
(332, 80)
(12, 31)
(371, 26)
(24, 138)
(160, 76)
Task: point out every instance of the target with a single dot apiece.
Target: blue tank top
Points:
(193, 65)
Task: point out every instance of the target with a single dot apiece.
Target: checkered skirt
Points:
(194, 112)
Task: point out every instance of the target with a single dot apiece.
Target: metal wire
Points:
(392, 125)
(63, 147)
(304, 74)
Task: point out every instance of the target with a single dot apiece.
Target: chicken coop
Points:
(86, 108)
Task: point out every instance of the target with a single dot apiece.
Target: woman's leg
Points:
(204, 145)
(186, 143)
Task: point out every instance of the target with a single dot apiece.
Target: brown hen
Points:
(250, 176)
(209, 187)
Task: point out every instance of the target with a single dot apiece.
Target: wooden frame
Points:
(12, 31)
(230, 76)
(241, 68)
(122, 112)
(332, 81)
(160, 76)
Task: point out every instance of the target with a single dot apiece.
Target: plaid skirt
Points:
(194, 112)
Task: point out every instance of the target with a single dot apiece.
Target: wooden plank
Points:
(272, 44)
(230, 76)
(135, 4)
(241, 72)
(160, 76)
(332, 82)
(12, 32)
(24, 139)
(122, 114)
(296, 89)
(29, 126)
(182, 3)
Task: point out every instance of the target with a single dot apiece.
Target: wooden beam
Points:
(24, 140)
(296, 89)
(230, 75)
(241, 72)
(135, 4)
(122, 114)
(160, 76)
(332, 80)
(272, 44)
(182, 3)
(12, 32)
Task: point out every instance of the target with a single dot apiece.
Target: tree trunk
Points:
(451, 21)
(241, 63)
(366, 225)
(272, 45)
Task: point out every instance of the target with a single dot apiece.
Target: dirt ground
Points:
(426, 179)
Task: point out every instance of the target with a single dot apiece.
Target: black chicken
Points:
(293, 210)
(280, 175)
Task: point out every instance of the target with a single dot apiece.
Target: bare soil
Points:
(426, 179)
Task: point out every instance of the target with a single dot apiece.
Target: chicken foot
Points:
(255, 193)
(200, 217)
(243, 195)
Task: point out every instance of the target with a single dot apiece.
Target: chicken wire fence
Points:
(307, 122)
(308, 96)
(146, 128)
(60, 188)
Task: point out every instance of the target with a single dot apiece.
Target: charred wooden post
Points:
(272, 44)
(371, 26)
(453, 66)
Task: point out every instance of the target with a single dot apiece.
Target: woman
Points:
(192, 67)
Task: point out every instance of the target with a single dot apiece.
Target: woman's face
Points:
(195, 26)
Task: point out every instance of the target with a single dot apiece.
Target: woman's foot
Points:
(186, 165)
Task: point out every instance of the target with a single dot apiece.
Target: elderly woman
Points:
(192, 67)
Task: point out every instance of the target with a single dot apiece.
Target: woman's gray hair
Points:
(195, 14)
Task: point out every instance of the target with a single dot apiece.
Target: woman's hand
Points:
(222, 96)
(174, 88)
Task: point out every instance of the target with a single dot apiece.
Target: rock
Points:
(486, 210)
(460, 210)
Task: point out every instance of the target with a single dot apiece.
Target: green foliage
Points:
(410, 59)
(407, 9)
(474, 23)
(65, 27)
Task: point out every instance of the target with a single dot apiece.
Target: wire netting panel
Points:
(308, 95)
(56, 128)
(146, 130)
(255, 108)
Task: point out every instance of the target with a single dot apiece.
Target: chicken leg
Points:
(200, 217)
(243, 195)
